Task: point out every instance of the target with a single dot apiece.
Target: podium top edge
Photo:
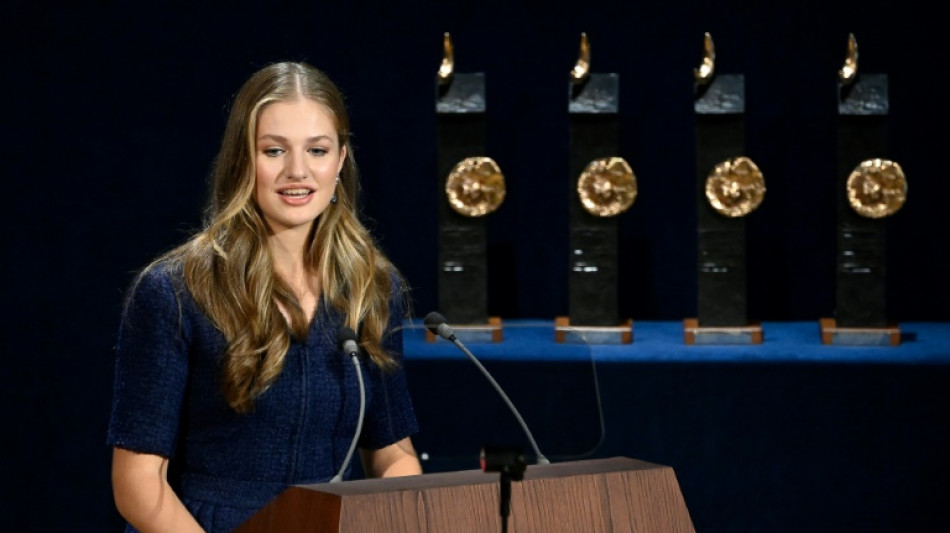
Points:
(476, 477)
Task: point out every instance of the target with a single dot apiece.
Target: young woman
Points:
(229, 371)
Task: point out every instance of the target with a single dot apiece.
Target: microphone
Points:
(347, 339)
(438, 325)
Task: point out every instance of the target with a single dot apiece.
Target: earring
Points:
(333, 198)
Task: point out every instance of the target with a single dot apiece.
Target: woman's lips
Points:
(296, 195)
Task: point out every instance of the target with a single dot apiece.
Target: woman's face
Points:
(297, 159)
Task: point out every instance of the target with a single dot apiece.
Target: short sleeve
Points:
(151, 366)
(390, 416)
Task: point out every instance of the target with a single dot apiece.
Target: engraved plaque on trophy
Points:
(602, 186)
(470, 187)
(730, 186)
(870, 188)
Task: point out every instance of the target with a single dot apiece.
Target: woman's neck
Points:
(288, 245)
(287, 252)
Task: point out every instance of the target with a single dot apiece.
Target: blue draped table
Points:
(783, 342)
(787, 435)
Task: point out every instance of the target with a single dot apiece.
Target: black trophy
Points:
(602, 187)
(471, 186)
(730, 186)
(869, 189)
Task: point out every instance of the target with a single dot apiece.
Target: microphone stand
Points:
(505, 500)
(511, 464)
(359, 423)
(350, 347)
(542, 460)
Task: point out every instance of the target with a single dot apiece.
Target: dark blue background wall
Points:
(112, 115)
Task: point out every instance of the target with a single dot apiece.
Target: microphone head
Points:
(433, 320)
(348, 340)
(346, 334)
(438, 325)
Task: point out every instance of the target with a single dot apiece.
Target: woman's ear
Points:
(339, 167)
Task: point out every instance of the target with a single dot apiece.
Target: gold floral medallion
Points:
(607, 187)
(877, 188)
(735, 187)
(475, 187)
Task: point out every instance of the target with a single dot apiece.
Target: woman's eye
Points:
(318, 151)
(273, 152)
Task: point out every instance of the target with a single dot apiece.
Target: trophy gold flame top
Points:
(849, 71)
(447, 68)
(581, 70)
(735, 187)
(475, 187)
(877, 188)
(607, 187)
(703, 74)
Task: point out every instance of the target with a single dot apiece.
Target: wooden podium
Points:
(598, 495)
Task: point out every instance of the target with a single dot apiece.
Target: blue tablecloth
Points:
(656, 341)
(786, 435)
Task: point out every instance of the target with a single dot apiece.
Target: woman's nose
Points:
(297, 165)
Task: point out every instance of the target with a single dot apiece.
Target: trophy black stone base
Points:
(694, 334)
(564, 332)
(865, 336)
(474, 333)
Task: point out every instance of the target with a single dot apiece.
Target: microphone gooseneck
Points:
(438, 325)
(347, 339)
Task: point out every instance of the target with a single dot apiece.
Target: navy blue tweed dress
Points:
(168, 401)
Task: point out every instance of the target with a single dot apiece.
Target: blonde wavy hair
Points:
(228, 268)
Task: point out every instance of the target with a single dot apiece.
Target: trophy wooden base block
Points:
(832, 334)
(694, 334)
(474, 333)
(564, 332)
